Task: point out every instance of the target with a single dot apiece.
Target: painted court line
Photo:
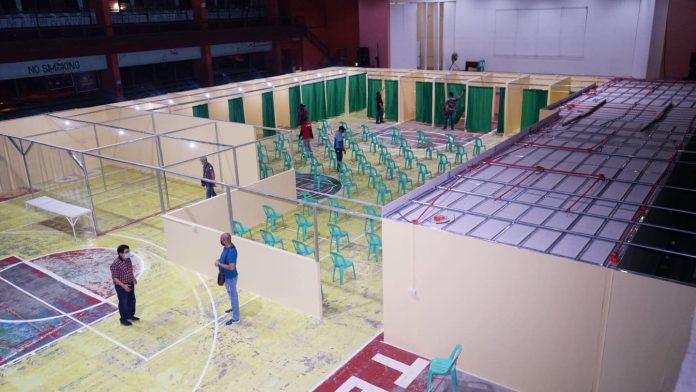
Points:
(215, 333)
(137, 239)
(112, 340)
(345, 361)
(36, 320)
(188, 335)
(32, 352)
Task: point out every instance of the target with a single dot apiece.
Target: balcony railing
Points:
(21, 21)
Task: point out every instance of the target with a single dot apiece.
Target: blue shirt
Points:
(338, 142)
(229, 256)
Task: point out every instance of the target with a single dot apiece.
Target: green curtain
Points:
(294, 99)
(201, 111)
(424, 102)
(268, 113)
(236, 110)
(532, 101)
(314, 99)
(391, 100)
(356, 92)
(373, 86)
(336, 96)
(479, 114)
(456, 89)
(439, 103)
(501, 110)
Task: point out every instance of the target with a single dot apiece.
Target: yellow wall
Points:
(559, 90)
(513, 105)
(218, 109)
(281, 105)
(407, 99)
(530, 321)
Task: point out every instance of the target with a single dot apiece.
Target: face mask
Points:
(126, 255)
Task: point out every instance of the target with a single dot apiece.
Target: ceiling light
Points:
(121, 132)
(340, 71)
(295, 79)
(240, 89)
(269, 84)
(318, 75)
(207, 95)
(192, 145)
(67, 122)
(137, 107)
(171, 102)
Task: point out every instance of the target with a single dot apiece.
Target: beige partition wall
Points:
(281, 105)
(518, 314)
(532, 321)
(407, 99)
(559, 90)
(253, 113)
(513, 104)
(647, 333)
(218, 109)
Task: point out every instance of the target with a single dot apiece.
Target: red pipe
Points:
(535, 144)
(599, 176)
(583, 195)
(516, 184)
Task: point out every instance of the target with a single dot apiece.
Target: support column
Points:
(111, 76)
(203, 67)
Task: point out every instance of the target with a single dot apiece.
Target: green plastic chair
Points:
(308, 198)
(262, 153)
(336, 233)
(422, 172)
(365, 133)
(279, 146)
(429, 151)
(328, 150)
(374, 245)
(442, 163)
(409, 157)
(450, 143)
(341, 263)
(337, 206)
(287, 161)
(395, 136)
(369, 210)
(391, 166)
(302, 249)
(403, 181)
(382, 191)
(344, 169)
(265, 169)
(271, 239)
(403, 146)
(422, 140)
(272, 216)
(348, 185)
(461, 153)
(362, 163)
(355, 150)
(325, 124)
(240, 230)
(478, 145)
(374, 143)
(307, 155)
(372, 176)
(383, 154)
(302, 224)
(316, 164)
(445, 366)
(332, 159)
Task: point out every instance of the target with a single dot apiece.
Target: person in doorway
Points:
(306, 135)
(302, 114)
(450, 109)
(227, 263)
(380, 108)
(339, 147)
(208, 174)
(124, 281)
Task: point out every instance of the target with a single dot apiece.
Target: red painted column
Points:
(203, 67)
(111, 76)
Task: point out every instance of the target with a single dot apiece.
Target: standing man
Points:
(208, 174)
(228, 264)
(302, 114)
(124, 281)
(306, 135)
(450, 108)
(338, 146)
(380, 108)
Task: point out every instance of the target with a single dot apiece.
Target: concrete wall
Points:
(530, 321)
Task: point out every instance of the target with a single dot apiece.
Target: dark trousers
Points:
(209, 192)
(339, 158)
(126, 302)
(379, 118)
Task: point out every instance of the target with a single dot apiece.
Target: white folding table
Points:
(71, 212)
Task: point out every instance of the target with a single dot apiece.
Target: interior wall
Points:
(527, 321)
(219, 110)
(374, 30)
(12, 175)
(538, 41)
(248, 165)
(647, 333)
(407, 99)
(281, 105)
(513, 105)
(678, 48)
(284, 277)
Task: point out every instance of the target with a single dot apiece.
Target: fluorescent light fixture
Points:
(67, 122)
(240, 89)
(340, 71)
(171, 102)
(295, 79)
(137, 107)
(121, 132)
(269, 84)
(207, 95)
(192, 145)
(318, 75)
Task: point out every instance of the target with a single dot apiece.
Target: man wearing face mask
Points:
(125, 281)
(228, 264)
